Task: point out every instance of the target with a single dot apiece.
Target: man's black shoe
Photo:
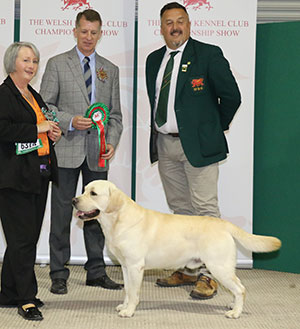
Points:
(38, 302)
(59, 286)
(104, 282)
(30, 313)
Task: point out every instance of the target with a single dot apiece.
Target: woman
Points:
(28, 163)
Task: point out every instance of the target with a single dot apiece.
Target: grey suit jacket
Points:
(63, 89)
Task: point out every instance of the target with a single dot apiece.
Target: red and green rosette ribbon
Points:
(99, 114)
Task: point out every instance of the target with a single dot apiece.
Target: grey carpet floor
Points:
(272, 302)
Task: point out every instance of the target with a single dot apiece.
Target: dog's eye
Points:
(93, 193)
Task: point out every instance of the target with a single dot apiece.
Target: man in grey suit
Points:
(71, 83)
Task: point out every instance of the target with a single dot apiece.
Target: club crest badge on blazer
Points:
(197, 84)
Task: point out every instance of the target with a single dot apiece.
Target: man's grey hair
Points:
(12, 52)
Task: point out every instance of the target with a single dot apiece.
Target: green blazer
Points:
(207, 97)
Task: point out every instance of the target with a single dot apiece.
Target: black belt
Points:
(173, 134)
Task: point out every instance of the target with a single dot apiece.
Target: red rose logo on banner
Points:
(75, 4)
(197, 4)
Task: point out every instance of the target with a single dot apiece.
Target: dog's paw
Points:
(120, 307)
(233, 314)
(126, 313)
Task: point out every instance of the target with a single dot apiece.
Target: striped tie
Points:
(87, 76)
(162, 106)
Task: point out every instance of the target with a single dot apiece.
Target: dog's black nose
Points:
(74, 201)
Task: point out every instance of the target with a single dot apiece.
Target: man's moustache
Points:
(176, 31)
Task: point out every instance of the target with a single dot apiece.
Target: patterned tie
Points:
(162, 106)
(87, 76)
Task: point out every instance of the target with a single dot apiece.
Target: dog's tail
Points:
(253, 242)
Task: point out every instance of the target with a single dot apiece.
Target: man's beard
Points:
(179, 43)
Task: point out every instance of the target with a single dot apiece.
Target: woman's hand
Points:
(55, 134)
(45, 126)
(50, 127)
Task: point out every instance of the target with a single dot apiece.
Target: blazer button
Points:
(88, 132)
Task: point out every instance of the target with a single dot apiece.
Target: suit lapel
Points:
(28, 108)
(76, 69)
(98, 83)
(15, 90)
(188, 56)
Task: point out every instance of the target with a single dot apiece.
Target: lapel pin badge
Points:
(184, 67)
(101, 74)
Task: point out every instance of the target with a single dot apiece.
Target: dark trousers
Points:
(22, 216)
(61, 216)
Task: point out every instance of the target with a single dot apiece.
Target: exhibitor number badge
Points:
(23, 148)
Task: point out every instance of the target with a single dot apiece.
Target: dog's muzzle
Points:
(85, 214)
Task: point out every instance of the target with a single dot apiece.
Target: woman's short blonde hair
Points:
(12, 52)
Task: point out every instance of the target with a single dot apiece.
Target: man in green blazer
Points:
(188, 143)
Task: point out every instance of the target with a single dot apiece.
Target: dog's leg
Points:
(125, 279)
(135, 277)
(238, 291)
(226, 276)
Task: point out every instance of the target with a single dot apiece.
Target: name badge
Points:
(23, 148)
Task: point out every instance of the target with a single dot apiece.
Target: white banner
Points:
(6, 30)
(230, 24)
(6, 38)
(49, 25)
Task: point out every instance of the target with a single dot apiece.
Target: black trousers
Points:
(22, 217)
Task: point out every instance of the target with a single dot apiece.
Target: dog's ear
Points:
(115, 200)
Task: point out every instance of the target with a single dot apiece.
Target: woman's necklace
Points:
(26, 94)
(22, 87)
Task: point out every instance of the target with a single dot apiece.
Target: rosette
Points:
(49, 114)
(99, 114)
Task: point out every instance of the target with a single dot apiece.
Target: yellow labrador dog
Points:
(145, 239)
